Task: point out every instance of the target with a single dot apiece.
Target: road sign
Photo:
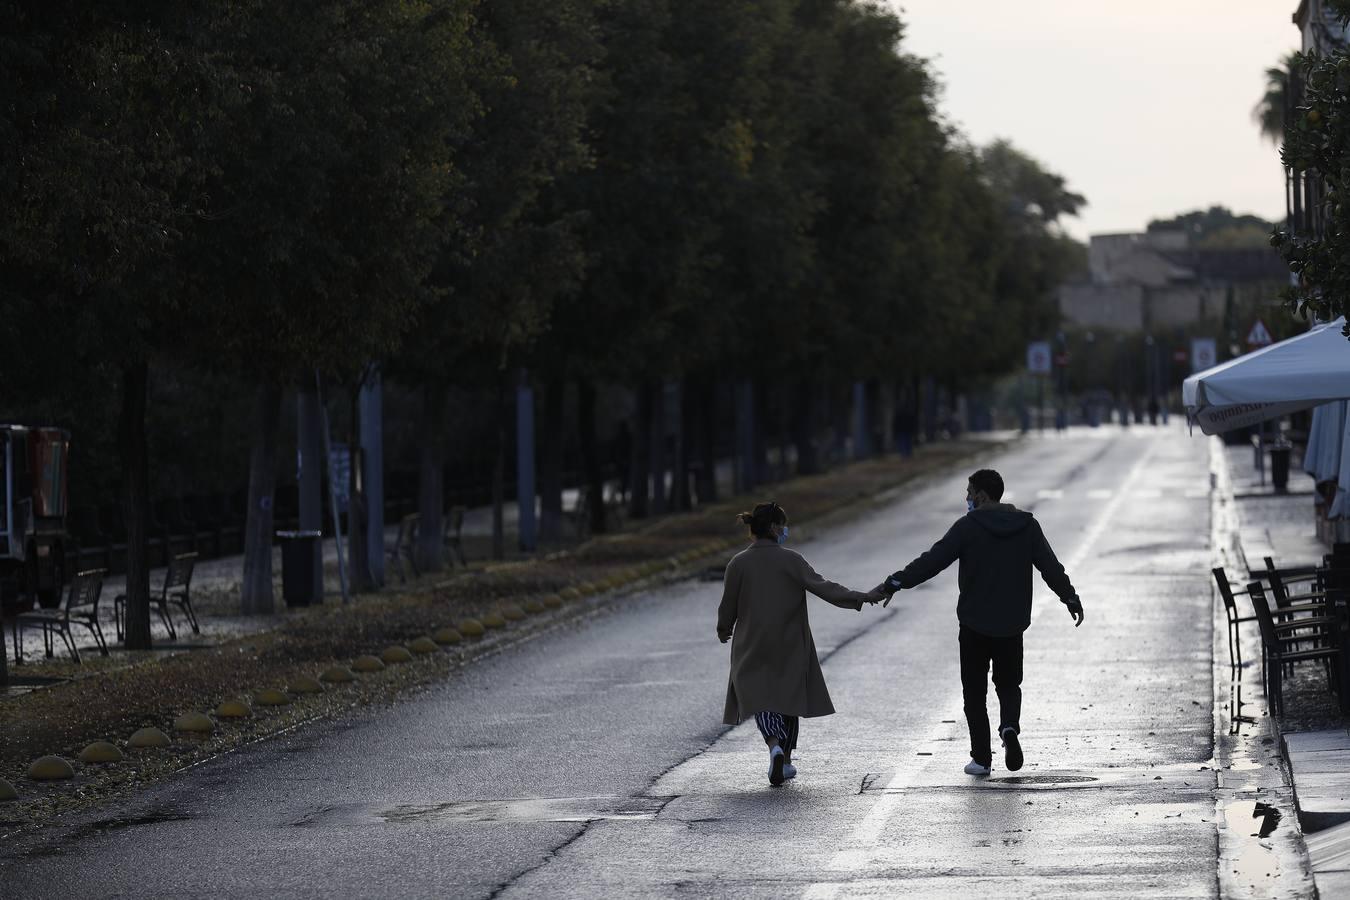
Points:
(1038, 357)
(1259, 336)
(1203, 354)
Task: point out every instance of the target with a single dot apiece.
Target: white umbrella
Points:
(1325, 458)
(1316, 432)
(1299, 373)
(1340, 506)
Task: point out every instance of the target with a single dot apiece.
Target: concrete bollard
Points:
(143, 738)
(447, 636)
(50, 768)
(337, 675)
(194, 723)
(101, 752)
(367, 664)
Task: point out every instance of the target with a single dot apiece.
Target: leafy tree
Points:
(1218, 223)
(1269, 112)
(518, 250)
(336, 161)
(1315, 148)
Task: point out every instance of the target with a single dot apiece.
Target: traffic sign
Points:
(1038, 357)
(1259, 336)
(1204, 354)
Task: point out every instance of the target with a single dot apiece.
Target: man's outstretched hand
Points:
(1076, 610)
(883, 592)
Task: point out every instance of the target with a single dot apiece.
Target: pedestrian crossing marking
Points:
(1049, 494)
(1100, 494)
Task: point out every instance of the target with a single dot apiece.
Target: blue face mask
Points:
(782, 535)
(970, 506)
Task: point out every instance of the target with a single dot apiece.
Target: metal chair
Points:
(176, 589)
(1279, 650)
(404, 546)
(80, 608)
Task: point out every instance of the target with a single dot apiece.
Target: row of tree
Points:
(590, 191)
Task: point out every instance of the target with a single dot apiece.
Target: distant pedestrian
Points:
(997, 545)
(775, 674)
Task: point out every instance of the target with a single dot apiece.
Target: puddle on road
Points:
(530, 809)
(515, 810)
(1017, 780)
(1253, 860)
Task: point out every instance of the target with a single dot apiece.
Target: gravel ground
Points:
(109, 698)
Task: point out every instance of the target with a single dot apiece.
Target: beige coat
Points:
(774, 667)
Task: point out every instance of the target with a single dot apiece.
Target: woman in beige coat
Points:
(775, 674)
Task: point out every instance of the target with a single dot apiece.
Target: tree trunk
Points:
(136, 502)
(805, 430)
(499, 476)
(660, 460)
(759, 443)
(358, 558)
(638, 506)
(707, 442)
(885, 417)
(551, 446)
(255, 594)
(679, 490)
(590, 458)
(431, 480)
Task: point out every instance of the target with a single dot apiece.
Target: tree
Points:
(1269, 111)
(517, 250)
(1315, 149)
(330, 202)
(100, 190)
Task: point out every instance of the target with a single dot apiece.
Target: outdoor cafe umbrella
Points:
(1322, 455)
(1304, 371)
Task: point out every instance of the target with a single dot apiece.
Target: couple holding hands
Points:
(776, 676)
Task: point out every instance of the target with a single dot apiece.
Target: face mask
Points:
(782, 536)
(970, 506)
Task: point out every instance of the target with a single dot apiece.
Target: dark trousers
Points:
(778, 726)
(977, 652)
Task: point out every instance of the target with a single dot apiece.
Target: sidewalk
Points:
(1314, 736)
(215, 588)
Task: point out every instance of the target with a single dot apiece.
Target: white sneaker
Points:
(789, 771)
(974, 768)
(775, 766)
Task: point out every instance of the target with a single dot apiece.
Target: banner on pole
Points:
(1204, 354)
(1038, 357)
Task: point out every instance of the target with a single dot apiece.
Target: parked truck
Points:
(33, 540)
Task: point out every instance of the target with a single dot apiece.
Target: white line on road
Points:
(1049, 494)
(862, 842)
(1100, 494)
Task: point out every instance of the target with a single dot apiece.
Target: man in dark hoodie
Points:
(997, 545)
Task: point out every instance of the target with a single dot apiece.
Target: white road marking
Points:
(1049, 494)
(862, 842)
(1100, 494)
(1147, 494)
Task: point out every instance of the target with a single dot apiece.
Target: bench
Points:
(176, 589)
(80, 608)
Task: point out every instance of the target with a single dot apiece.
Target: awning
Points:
(1296, 374)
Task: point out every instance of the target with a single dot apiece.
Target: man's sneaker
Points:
(776, 766)
(1012, 749)
(974, 768)
(789, 771)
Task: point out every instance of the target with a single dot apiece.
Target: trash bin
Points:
(1279, 467)
(301, 567)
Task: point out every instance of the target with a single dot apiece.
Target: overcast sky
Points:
(1145, 107)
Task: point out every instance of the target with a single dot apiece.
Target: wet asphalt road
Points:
(590, 762)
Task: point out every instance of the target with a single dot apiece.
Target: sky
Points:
(1144, 107)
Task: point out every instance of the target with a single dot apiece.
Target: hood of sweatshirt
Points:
(1001, 519)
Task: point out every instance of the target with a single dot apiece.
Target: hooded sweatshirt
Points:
(997, 545)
